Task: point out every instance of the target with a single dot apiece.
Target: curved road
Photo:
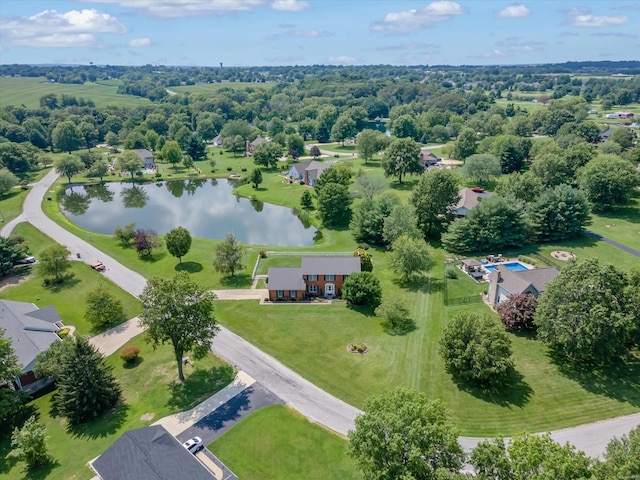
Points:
(309, 400)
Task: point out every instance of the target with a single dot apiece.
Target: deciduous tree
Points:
(267, 154)
(145, 241)
(607, 180)
(367, 186)
(178, 242)
(476, 349)
(12, 249)
(172, 153)
(345, 127)
(402, 157)
(126, 234)
(409, 257)
(434, 199)
(102, 308)
(11, 401)
(559, 213)
(7, 181)
(29, 443)
(369, 143)
(404, 435)
(256, 177)
(178, 312)
(53, 261)
(69, 165)
(517, 311)
(621, 458)
(229, 255)
(66, 137)
(334, 204)
(362, 289)
(585, 314)
(482, 167)
(130, 162)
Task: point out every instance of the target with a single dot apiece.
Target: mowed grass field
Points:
(213, 88)
(277, 442)
(27, 91)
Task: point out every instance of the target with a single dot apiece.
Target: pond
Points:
(207, 208)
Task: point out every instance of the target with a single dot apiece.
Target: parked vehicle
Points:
(194, 445)
(27, 260)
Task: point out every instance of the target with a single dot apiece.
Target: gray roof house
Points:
(31, 331)
(503, 282)
(146, 157)
(468, 200)
(308, 172)
(316, 276)
(428, 158)
(149, 453)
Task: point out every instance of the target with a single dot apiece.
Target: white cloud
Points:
(50, 28)
(494, 53)
(341, 60)
(140, 42)
(186, 8)
(514, 11)
(300, 34)
(290, 5)
(582, 17)
(414, 19)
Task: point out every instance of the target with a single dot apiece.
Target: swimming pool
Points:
(513, 266)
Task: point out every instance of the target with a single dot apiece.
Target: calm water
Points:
(206, 208)
(513, 266)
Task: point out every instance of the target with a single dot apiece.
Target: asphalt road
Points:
(308, 399)
(226, 416)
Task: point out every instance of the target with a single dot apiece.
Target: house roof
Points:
(469, 198)
(300, 167)
(315, 169)
(143, 153)
(519, 282)
(428, 155)
(287, 278)
(259, 141)
(281, 278)
(150, 453)
(330, 265)
(471, 262)
(30, 329)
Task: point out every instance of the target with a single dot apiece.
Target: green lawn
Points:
(213, 88)
(542, 397)
(277, 442)
(11, 204)
(28, 91)
(68, 297)
(621, 224)
(149, 389)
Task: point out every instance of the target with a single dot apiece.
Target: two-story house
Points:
(317, 277)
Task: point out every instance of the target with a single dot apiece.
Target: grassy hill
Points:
(27, 91)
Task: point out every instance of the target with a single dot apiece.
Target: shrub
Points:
(129, 353)
(517, 312)
(262, 254)
(228, 169)
(362, 289)
(63, 332)
(451, 272)
(243, 169)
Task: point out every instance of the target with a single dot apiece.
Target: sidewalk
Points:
(179, 422)
(110, 341)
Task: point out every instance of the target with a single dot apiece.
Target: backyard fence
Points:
(545, 260)
(462, 300)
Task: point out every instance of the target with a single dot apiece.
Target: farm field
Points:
(213, 88)
(27, 91)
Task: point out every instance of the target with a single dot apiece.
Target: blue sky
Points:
(306, 32)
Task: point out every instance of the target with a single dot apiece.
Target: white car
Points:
(27, 260)
(194, 445)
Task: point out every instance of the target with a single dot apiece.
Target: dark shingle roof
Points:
(519, 282)
(281, 278)
(330, 265)
(149, 453)
(31, 330)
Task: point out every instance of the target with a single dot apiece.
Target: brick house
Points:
(317, 277)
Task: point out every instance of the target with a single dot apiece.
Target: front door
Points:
(329, 289)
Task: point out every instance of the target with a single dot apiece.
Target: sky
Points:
(310, 32)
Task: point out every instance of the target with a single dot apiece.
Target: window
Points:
(344, 277)
(293, 293)
(312, 278)
(313, 288)
(329, 278)
(279, 293)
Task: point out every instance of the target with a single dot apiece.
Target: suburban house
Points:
(428, 158)
(619, 115)
(317, 277)
(251, 146)
(308, 172)
(469, 198)
(503, 282)
(31, 331)
(149, 453)
(146, 157)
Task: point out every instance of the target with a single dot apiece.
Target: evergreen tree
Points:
(86, 384)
